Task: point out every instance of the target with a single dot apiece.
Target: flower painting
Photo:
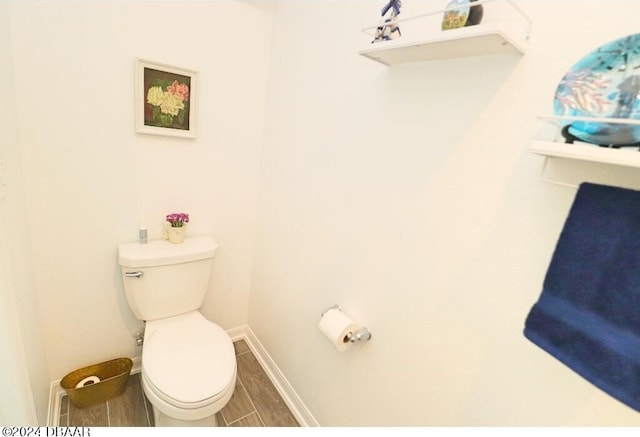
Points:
(165, 100)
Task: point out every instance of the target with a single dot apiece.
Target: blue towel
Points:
(588, 314)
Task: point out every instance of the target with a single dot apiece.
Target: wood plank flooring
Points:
(255, 402)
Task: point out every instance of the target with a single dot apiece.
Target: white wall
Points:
(90, 180)
(24, 376)
(407, 196)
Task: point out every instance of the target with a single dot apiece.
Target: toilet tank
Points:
(162, 279)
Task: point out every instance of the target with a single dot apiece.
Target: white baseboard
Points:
(289, 395)
(55, 395)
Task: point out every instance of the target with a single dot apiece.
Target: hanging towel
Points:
(588, 314)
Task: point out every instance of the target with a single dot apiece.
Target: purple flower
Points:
(178, 220)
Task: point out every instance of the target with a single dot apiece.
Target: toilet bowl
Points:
(188, 369)
(188, 362)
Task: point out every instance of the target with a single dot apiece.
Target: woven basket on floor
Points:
(113, 376)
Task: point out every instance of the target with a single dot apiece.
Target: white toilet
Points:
(188, 362)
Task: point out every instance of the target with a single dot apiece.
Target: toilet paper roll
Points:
(88, 381)
(336, 327)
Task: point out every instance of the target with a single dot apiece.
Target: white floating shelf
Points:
(585, 152)
(476, 40)
(550, 143)
(503, 31)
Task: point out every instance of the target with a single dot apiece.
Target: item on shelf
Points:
(388, 28)
(475, 15)
(623, 134)
(464, 15)
(603, 84)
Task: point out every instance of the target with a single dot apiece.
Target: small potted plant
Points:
(176, 226)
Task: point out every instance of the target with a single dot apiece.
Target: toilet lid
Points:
(188, 358)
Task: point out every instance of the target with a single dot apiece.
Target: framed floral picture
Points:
(165, 99)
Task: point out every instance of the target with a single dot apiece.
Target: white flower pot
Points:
(176, 235)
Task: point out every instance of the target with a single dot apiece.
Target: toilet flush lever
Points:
(133, 274)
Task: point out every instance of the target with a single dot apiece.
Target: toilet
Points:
(188, 362)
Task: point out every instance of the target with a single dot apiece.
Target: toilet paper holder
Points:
(361, 334)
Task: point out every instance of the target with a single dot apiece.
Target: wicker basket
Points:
(113, 376)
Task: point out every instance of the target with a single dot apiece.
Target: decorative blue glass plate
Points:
(603, 84)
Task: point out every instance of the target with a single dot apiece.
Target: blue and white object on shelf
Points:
(603, 84)
(388, 29)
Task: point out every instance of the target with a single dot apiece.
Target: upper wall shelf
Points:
(504, 29)
(549, 142)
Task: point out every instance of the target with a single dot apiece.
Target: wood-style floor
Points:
(255, 402)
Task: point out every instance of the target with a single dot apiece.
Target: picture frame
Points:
(165, 100)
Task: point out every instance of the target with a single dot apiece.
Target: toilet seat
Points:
(188, 361)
